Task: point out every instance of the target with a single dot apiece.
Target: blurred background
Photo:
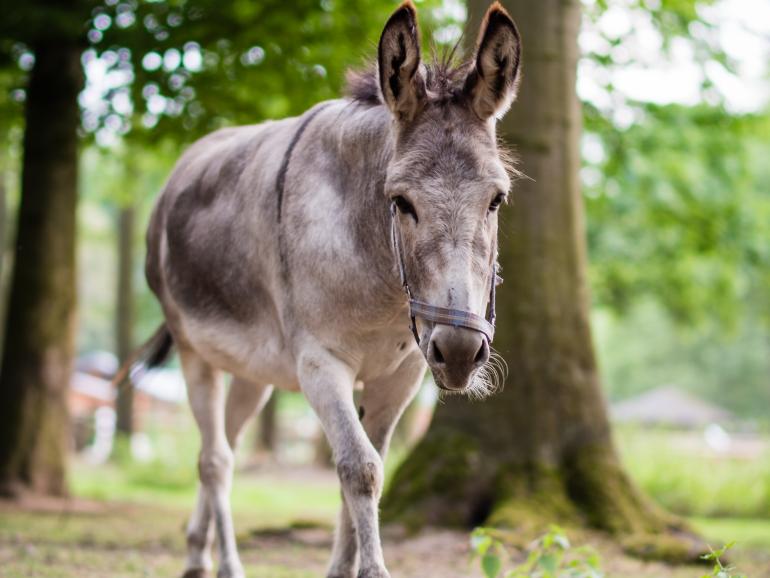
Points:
(675, 183)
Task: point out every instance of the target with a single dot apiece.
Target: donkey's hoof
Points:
(341, 573)
(231, 572)
(373, 573)
(195, 573)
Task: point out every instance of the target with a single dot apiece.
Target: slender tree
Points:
(541, 450)
(124, 318)
(267, 430)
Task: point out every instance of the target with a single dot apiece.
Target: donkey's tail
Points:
(155, 352)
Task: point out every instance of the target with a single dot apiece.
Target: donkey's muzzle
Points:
(454, 354)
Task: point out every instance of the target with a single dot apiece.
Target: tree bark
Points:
(267, 422)
(3, 232)
(3, 241)
(39, 331)
(124, 318)
(541, 450)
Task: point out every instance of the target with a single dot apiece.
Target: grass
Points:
(276, 502)
(747, 532)
(689, 481)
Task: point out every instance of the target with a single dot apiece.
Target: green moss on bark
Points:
(672, 547)
(443, 483)
(530, 497)
(449, 480)
(607, 497)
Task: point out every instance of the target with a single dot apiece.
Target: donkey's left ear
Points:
(493, 81)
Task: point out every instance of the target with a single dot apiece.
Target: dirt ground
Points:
(89, 539)
(94, 539)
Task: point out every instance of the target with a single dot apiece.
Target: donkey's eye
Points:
(405, 207)
(497, 201)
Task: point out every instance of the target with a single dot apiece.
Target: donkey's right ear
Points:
(398, 63)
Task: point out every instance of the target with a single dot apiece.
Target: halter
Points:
(443, 315)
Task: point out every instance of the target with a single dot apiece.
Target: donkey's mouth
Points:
(439, 380)
(481, 383)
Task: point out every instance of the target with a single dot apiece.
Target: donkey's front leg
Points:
(206, 392)
(382, 403)
(328, 385)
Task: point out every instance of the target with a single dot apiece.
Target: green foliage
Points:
(678, 210)
(179, 69)
(195, 66)
(720, 570)
(551, 556)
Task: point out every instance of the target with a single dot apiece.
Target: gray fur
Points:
(270, 252)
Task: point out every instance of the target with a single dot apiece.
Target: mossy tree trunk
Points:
(541, 450)
(39, 330)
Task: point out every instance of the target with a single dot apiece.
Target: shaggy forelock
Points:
(444, 79)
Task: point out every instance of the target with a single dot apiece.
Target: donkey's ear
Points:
(398, 62)
(492, 83)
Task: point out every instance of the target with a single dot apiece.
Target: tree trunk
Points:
(124, 318)
(3, 232)
(3, 241)
(37, 357)
(267, 426)
(541, 450)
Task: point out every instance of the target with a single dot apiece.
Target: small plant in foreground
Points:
(720, 570)
(551, 556)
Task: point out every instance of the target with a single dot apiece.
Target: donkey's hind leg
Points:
(383, 402)
(206, 393)
(243, 401)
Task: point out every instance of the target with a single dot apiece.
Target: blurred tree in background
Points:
(39, 334)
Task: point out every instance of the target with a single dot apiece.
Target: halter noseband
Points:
(443, 315)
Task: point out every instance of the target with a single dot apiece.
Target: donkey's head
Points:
(447, 179)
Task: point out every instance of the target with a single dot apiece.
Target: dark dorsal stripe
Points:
(280, 181)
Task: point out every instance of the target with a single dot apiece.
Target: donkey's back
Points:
(213, 249)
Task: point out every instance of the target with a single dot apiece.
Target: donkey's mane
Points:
(444, 78)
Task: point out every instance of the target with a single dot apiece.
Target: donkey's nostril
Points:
(482, 354)
(438, 357)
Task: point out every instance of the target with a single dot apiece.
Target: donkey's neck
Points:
(359, 138)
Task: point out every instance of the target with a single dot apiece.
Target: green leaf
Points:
(549, 562)
(491, 565)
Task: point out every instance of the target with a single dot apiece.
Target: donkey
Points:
(294, 253)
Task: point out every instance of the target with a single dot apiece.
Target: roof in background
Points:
(670, 406)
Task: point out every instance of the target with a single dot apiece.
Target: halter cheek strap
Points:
(443, 315)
